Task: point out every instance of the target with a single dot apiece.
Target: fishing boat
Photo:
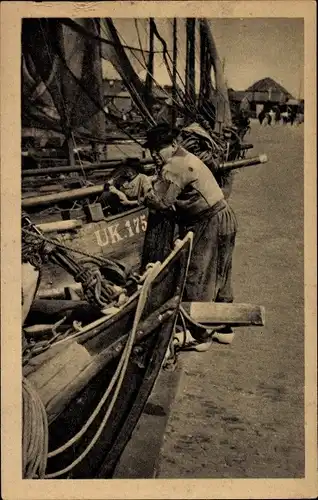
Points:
(96, 327)
(90, 360)
(88, 371)
(62, 98)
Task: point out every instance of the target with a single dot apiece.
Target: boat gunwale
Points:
(107, 321)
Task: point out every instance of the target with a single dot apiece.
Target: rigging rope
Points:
(139, 41)
(142, 106)
(80, 84)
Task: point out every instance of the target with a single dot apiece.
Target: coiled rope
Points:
(35, 433)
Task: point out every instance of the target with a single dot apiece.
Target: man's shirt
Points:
(137, 188)
(186, 184)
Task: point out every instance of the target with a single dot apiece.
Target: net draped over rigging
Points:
(64, 62)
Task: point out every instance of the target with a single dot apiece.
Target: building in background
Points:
(118, 101)
(263, 94)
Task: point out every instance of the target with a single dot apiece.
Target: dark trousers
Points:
(210, 269)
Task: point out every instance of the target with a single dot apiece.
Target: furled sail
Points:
(65, 60)
(65, 68)
(213, 94)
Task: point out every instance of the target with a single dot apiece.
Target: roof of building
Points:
(266, 84)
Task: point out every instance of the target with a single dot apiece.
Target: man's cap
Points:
(161, 135)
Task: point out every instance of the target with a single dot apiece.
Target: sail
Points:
(213, 90)
(64, 62)
(61, 77)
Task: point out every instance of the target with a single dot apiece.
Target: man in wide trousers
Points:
(187, 188)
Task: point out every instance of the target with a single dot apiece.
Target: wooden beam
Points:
(57, 226)
(218, 313)
(109, 165)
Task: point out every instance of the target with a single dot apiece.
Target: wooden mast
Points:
(223, 111)
(174, 74)
(149, 77)
(190, 63)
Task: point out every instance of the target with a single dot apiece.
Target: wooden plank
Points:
(61, 225)
(217, 313)
(57, 373)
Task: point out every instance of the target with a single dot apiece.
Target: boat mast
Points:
(223, 112)
(190, 63)
(150, 75)
(98, 121)
(174, 73)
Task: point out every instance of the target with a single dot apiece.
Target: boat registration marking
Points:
(114, 233)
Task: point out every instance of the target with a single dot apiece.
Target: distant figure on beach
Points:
(268, 119)
(285, 117)
(277, 115)
(293, 115)
(261, 116)
(272, 115)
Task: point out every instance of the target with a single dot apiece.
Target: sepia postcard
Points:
(158, 250)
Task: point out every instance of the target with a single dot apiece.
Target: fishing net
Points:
(65, 60)
(63, 63)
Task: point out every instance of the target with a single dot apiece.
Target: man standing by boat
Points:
(187, 188)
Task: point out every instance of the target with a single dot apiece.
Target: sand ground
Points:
(239, 412)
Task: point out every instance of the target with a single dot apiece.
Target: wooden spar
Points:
(219, 313)
(73, 194)
(246, 162)
(107, 165)
(149, 77)
(62, 225)
(48, 310)
(69, 144)
(58, 293)
(78, 168)
(98, 121)
(219, 77)
(246, 146)
(174, 73)
(190, 62)
(76, 194)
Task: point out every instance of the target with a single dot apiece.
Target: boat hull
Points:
(69, 407)
(119, 237)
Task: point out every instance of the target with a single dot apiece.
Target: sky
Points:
(251, 49)
(260, 48)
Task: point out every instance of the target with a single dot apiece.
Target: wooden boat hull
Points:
(69, 407)
(119, 237)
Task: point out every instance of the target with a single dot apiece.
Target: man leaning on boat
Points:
(187, 188)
